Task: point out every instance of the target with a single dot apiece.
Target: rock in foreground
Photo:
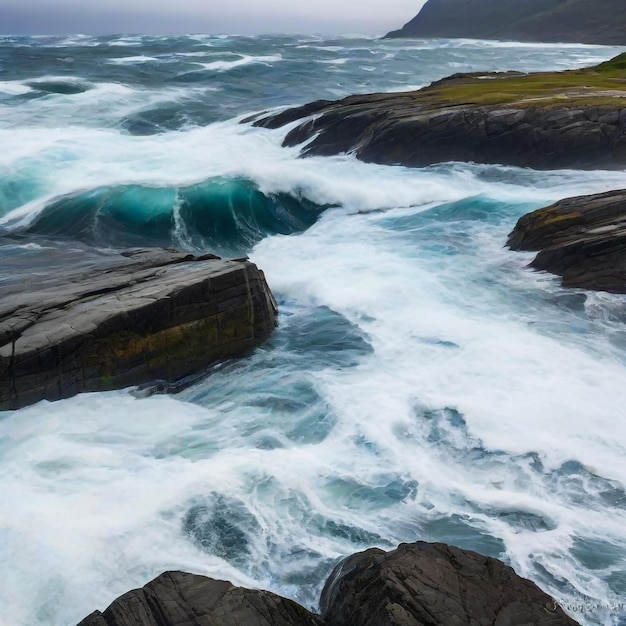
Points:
(581, 239)
(100, 321)
(180, 599)
(433, 584)
(417, 584)
(551, 120)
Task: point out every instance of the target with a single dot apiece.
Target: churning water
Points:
(422, 384)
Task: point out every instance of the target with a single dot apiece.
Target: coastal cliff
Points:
(546, 120)
(579, 21)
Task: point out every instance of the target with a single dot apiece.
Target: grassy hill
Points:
(581, 21)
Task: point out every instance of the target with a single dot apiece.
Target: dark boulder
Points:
(98, 320)
(581, 239)
(181, 599)
(424, 584)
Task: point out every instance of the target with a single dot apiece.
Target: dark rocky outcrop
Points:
(417, 584)
(180, 599)
(573, 119)
(433, 584)
(581, 239)
(579, 21)
(94, 321)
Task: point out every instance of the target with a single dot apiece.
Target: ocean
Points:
(422, 384)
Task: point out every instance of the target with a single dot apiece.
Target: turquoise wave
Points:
(228, 216)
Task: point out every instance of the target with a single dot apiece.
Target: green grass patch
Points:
(588, 86)
(616, 64)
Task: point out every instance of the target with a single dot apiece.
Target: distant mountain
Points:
(579, 21)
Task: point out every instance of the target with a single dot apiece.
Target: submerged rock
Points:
(418, 584)
(582, 239)
(95, 321)
(545, 120)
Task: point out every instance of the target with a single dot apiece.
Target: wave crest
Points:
(225, 215)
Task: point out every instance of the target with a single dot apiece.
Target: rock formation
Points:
(549, 120)
(581, 239)
(433, 584)
(578, 21)
(417, 584)
(94, 321)
(180, 599)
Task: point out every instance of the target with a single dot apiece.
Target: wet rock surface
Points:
(544, 120)
(180, 599)
(581, 239)
(407, 129)
(99, 320)
(428, 584)
(418, 584)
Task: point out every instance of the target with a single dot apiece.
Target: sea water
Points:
(422, 384)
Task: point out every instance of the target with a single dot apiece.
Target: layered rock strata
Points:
(573, 119)
(581, 239)
(95, 322)
(417, 584)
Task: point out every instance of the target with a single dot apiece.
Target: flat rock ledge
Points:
(96, 322)
(418, 584)
(581, 239)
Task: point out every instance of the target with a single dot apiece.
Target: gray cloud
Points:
(210, 16)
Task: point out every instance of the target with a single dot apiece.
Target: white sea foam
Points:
(75, 159)
(224, 66)
(14, 87)
(131, 60)
(56, 78)
(86, 41)
(100, 105)
(521, 388)
(324, 48)
(444, 335)
(192, 54)
(127, 41)
(342, 61)
(483, 384)
(492, 43)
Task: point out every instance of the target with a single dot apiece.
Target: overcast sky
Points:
(204, 16)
